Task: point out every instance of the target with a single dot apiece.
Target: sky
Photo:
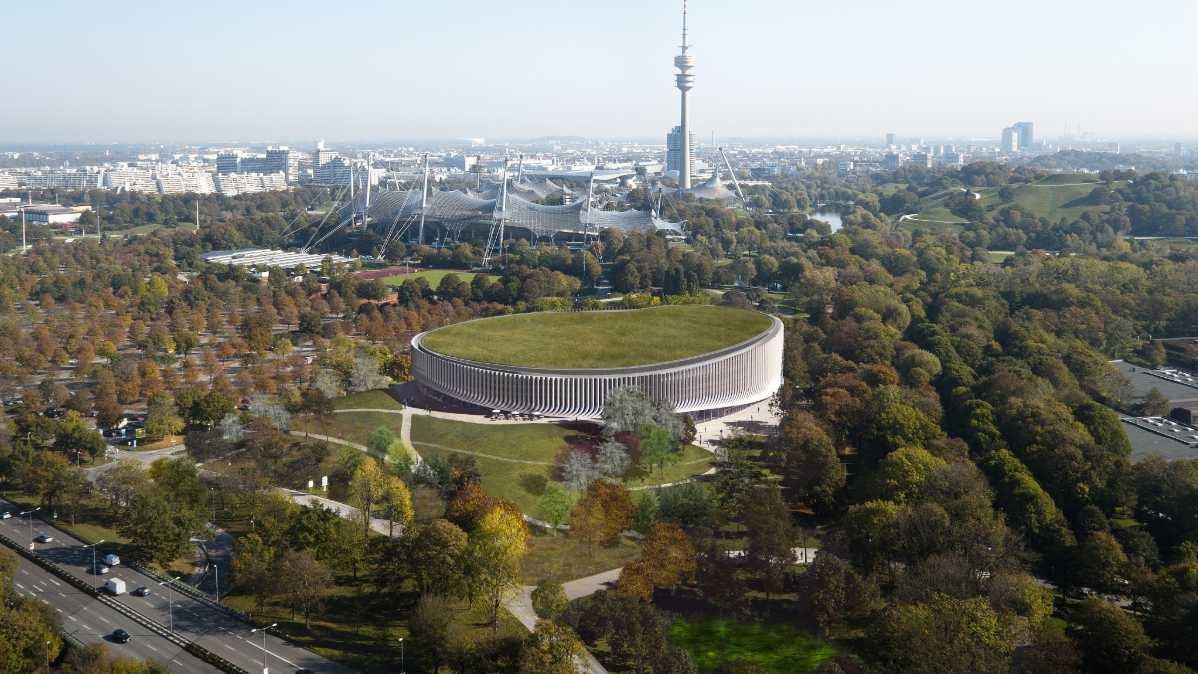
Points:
(273, 70)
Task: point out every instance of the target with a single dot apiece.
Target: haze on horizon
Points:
(136, 71)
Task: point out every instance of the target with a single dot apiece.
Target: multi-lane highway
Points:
(88, 620)
(211, 627)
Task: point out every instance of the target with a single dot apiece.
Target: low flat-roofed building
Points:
(54, 214)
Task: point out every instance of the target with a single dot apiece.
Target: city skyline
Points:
(279, 72)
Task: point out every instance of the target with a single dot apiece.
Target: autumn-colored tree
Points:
(550, 649)
(667, 559)
(308, 582)
(497, 545)
(396, 503)
(366, 490)
(602, 513)
(469, 506)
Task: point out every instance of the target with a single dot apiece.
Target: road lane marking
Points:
(72, 618)
(104, 620)
(151, 647)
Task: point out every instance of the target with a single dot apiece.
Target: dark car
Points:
(55, 413)
(43, 538)
(113, 432)
(99, 569)
(120, 636)
(142, 591)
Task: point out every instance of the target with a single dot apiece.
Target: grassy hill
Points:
(1053, 197)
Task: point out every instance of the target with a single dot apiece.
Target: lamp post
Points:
(265, 669)
(170, 602)
(95, 570)
(30, 513)
(401, 658)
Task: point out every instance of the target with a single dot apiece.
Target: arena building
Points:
(704, 361)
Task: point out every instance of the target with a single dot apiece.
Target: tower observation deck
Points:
(685, 81)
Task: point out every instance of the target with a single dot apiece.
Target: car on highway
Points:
(120, 636)
(142, 591)
(43, 538)
(112, 560)
(99, 569)
(6, 515)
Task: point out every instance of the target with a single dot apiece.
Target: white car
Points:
(112, 560)
(5, 515)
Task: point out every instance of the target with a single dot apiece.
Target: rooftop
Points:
(598, 339)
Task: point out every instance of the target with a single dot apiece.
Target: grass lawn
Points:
(433, 276)
(93, 522)
(779, 649)
(564, 558)
(599, 339)
(361, 628)
(516, 460)
(370, 400)
(521, 483)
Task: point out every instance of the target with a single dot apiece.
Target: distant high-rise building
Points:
(891, 139)
(322, 155)
(1010, 139)
(892, 161)
(1177, 150)
(1027, 134)
(228, 162)
(283, 159)
(675, 154)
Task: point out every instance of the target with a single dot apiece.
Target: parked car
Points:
(120, 636)
(111, 559)
(43, 538)
(142, 591)
(55, 413)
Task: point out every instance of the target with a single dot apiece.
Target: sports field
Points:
(598, 339)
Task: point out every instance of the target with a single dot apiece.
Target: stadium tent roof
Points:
(712, 189)
(457, 208)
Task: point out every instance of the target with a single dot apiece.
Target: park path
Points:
(343, 510)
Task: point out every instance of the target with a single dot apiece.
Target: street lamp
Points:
(95, 571)
(401, 667)
(170, 601)
(265, 669)
(30, 513)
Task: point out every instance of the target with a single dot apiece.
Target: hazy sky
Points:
(212, 70)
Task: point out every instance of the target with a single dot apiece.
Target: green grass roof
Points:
(598, 339)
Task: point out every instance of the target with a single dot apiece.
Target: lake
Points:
(830, 217)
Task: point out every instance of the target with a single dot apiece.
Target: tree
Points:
(308, 582)
(365, 375)
(497, 545)
(901, 475)
(46, 475)
(430, 626)
(254, 569)
(366, 491)
(690, 506)
(122, 481)
(1155, 404)
(549, 600)
(926, 638)
(379, 440)
(667, 559)
(269, 409)
(805, 456)
(579, 470)
(396, 503)
(658, 447)
(29, 636)
(161, 419)
(771, 537)
(602, 513)
(437, 558)
(555, 505)
(158, 531)
(1112, 641)
(550, 649)
(628, 410)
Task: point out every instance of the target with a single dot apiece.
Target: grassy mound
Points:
(599, 339)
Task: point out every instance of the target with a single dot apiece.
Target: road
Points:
(215, 629)
(87, 619)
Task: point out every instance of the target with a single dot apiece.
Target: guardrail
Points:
(190, 646)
